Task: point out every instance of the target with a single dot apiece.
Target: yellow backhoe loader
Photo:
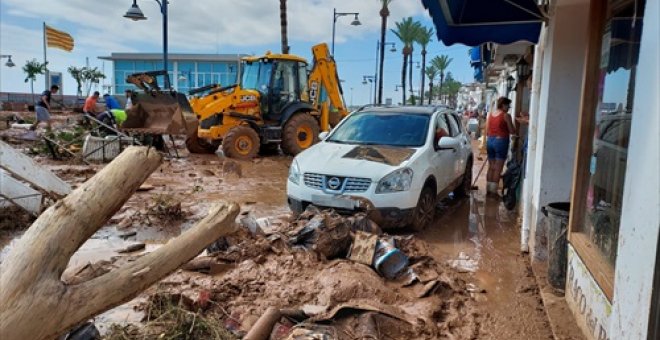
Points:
(278, 102)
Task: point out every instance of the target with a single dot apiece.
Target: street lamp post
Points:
(379, 70)
(368, 80)
(9, 62)
(135, 13)
(335, 15)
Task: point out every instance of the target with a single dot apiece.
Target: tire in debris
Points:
(195, 144)
(241, 142)
(300, 132)
(424, 212)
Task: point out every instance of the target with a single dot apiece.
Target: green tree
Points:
(431, 72)
(283, 27)
(384, 13)
(91, 76)
(77, 75)
(423, 39)
(441, 63)
(32, 68)
(450, 89)
(406, 31)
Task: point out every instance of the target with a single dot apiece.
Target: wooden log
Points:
(36, 304)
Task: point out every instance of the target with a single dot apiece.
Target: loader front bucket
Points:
(160, 113)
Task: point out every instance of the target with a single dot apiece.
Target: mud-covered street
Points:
(471, 282)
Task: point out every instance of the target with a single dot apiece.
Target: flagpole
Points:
(45, 60)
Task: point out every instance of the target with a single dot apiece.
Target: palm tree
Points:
(32, 68)
(283, 27)
(423, 39)
(406, 31)
(441, 63)
(430, 72)
(384, 13)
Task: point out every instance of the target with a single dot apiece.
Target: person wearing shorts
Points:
(499, 128)
(42, 109)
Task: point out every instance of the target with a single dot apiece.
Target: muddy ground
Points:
(480, 286)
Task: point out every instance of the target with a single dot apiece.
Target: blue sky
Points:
(213, 26)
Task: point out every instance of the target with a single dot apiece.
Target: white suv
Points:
(393, 162)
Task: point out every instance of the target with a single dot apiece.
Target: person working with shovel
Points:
(42, 109)
(499, 128)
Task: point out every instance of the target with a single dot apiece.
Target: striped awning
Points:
(58, 39)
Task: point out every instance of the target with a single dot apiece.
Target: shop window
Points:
(597, 229)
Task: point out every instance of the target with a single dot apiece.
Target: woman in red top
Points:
(499, 128)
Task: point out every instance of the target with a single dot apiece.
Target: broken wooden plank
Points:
(23, 167)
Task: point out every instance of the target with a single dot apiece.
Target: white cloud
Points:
(200, 24)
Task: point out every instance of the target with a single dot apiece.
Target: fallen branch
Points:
(36, 304)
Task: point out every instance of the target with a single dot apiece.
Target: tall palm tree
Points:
(283, 27)
(384, 13)
(32, 68)
(406, 31)
(441, 63)
(423, 39)
(431, 72)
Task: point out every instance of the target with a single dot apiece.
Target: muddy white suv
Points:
(393, 162)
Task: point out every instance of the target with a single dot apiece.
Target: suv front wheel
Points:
(425, 210)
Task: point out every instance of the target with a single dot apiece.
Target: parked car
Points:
(393, 162)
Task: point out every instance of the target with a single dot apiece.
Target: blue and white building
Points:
(187, 71)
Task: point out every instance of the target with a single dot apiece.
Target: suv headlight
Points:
(398, 180)
(294, 172)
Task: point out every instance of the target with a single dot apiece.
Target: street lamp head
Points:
(356, 21)
(135, 13)
(10, 63)
(393, 49)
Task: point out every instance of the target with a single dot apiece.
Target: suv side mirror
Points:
(323, 135)
(447, 143)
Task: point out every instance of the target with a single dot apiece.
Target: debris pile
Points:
(323, 276)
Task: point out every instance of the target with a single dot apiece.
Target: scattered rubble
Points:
(299, 275)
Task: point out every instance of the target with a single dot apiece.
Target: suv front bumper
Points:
(389, 210)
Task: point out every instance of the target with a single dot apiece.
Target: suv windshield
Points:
(394, 129)
(256, 75)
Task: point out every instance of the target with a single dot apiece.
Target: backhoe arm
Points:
(325, 89)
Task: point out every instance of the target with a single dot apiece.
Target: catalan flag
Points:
(58, 39)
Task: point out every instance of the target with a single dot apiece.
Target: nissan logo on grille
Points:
(334, 183)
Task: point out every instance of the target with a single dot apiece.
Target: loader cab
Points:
(280, 80)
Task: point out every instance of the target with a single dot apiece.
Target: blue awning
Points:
(474, 22)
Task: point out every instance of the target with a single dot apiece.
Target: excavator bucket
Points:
(160, 113)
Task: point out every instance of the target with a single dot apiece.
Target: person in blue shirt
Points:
(111, 102)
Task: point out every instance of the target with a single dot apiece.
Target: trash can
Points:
(557, 217)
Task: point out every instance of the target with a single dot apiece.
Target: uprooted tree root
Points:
(171, 319)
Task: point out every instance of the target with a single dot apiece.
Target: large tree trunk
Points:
(36, 304)
(283, 27)
(410, 77)
(423, 77)
(384, 13)
(403, 77)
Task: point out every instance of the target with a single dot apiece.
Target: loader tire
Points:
(300, 132)
(195, 144)
(241, 142)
